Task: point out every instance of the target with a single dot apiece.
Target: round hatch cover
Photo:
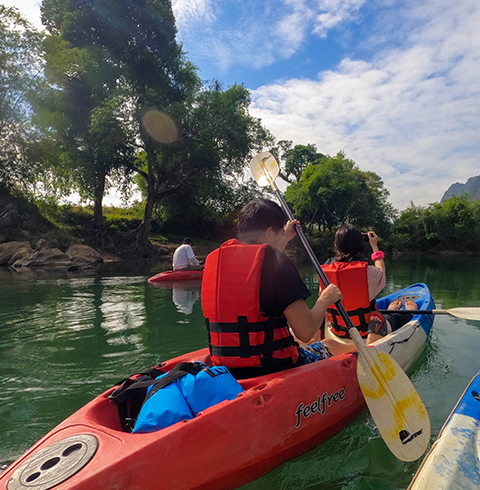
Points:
(54, 464)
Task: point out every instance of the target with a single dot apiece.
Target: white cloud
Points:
(410, 114)
(191, 12)
(252, 33)
(334, 12)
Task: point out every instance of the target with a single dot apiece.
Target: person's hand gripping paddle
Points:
(396, 407)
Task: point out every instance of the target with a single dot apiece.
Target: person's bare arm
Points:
(373, 239)
(305, 321)
(288, 233)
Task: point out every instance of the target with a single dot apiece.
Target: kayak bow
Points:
(173, 276)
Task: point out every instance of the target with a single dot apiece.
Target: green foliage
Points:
(108, 62)
(333, 191)
(127, 65)
(20, 67)
(83, 115)
(408, 231)
(450, 225)
(124, 219)
(135, 211)
(213, 217)
(204, 171)
(295, 159)
(70, 217)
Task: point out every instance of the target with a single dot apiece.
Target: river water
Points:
(66, 337)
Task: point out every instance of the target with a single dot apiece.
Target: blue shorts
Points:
(312, 353)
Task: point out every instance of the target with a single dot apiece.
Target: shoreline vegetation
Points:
(64, 236)
(80, 115)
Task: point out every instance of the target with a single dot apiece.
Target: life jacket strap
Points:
(256, 350)
(244, 337)
(360, 312)
(177, 372)
(243, 327)
(234, 327)
(137, 381)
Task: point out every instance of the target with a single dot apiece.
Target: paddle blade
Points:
(264, 168)
(396, 407)
(465, 313)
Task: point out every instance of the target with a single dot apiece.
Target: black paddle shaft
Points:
(410, 312)
(316, 263)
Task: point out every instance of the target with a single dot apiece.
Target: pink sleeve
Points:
(376, 281)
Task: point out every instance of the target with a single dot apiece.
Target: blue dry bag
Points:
(182, 393)
(208, 387)
(163, 408)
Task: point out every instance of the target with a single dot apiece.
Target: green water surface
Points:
(66, 337)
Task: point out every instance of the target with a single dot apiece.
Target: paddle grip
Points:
(316, 263)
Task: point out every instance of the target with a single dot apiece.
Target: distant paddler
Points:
(184, 257)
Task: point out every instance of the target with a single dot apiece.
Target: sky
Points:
(394, 84)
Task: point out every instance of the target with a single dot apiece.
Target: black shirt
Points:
(280, 283)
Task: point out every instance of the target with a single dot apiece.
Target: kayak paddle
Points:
(395, 405)
(465, 313)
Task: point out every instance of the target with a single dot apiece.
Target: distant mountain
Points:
(472, 188)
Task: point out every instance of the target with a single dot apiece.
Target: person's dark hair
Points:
(257, 216)
(187, 240)
(348, 243)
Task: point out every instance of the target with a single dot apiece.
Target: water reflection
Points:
(184, 294)
(184, 299)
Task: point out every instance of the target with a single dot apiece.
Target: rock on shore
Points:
(21, 254)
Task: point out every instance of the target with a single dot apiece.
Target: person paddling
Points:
(360, 283)
(252, 295)
(184, 257)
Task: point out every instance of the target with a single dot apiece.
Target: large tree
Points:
(334, 191)
(20, 70)
(134, 41)
(85, 111)
(192, 141)
(204, 170)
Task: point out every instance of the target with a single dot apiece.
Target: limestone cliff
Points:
(471, 187)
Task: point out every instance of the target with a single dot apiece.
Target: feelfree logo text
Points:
(320, 405)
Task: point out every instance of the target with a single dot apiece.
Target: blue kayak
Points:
(414, 334)
(453, 462)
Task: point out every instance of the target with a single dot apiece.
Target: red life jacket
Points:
(239, 334)
(351, 278)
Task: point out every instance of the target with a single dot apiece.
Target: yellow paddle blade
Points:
(396, 407)
(264, 168)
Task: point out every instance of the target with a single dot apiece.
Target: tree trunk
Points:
(147, 215)
(310, 224)
(99, 191)
(140, 243)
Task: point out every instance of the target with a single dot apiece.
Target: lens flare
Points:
(160, 126)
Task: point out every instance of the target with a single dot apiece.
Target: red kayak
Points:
(173, 276)
(277, 417)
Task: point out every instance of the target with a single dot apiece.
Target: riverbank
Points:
(46, 234)
(30, 239)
